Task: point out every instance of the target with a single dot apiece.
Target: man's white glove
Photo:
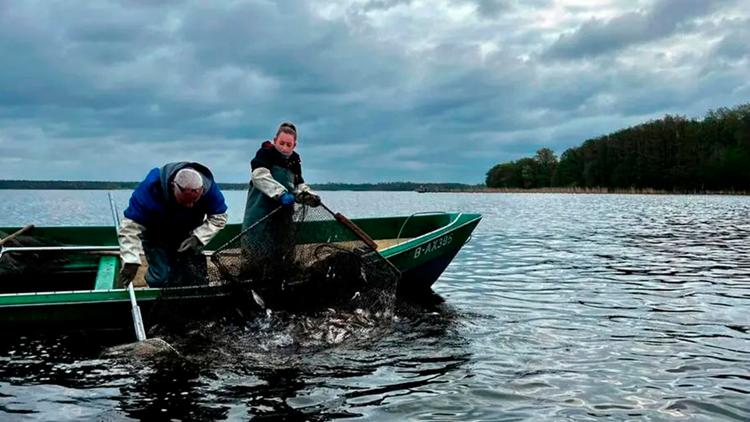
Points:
(127, 273)
(191, 244)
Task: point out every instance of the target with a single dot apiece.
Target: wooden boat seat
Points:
(387, 243)
(382, 243)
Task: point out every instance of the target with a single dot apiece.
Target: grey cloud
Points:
(733, 48)
(734, 45)
(315, 58)
(597, 37)
(384, 4)
(491, 8)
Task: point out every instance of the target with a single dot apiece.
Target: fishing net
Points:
(304, 259)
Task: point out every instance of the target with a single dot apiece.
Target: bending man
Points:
(173, 213)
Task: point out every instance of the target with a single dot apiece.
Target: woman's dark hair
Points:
(287, 127)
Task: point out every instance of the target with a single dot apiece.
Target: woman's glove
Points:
(308, 198)
(286, 199)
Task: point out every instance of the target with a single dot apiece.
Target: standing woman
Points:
(277, 177)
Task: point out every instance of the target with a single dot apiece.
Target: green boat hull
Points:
(85, 295)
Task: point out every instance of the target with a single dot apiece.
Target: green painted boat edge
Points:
(147, 294)
(75, 296)
(395, 254)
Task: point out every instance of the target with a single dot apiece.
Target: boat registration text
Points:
(433, 245)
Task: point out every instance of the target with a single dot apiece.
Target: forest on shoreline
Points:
(673, 154)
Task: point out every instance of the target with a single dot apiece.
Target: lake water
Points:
(562, 307)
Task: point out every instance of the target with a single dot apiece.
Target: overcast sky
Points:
(381, 90)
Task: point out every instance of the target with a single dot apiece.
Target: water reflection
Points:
(172, 388)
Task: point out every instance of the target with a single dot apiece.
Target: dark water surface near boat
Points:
(561, 307)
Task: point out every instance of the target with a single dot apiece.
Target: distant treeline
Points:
(65, 184)
(99, 185)
(88, 185)
(396, 186)
(673, 154)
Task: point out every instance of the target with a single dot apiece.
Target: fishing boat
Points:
(84, 293)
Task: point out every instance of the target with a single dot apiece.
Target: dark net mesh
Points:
(304, 259)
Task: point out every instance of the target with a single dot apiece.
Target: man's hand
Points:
(127, 273)
(190, 244)
(308, 198)
(286, 199)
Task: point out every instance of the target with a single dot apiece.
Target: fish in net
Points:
(305, 259)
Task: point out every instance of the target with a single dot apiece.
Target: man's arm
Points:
(213, 224)
(141, 207)
(130, 241)
(216, 219)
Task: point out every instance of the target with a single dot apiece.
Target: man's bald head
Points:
(187, 187)
(189, 179)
